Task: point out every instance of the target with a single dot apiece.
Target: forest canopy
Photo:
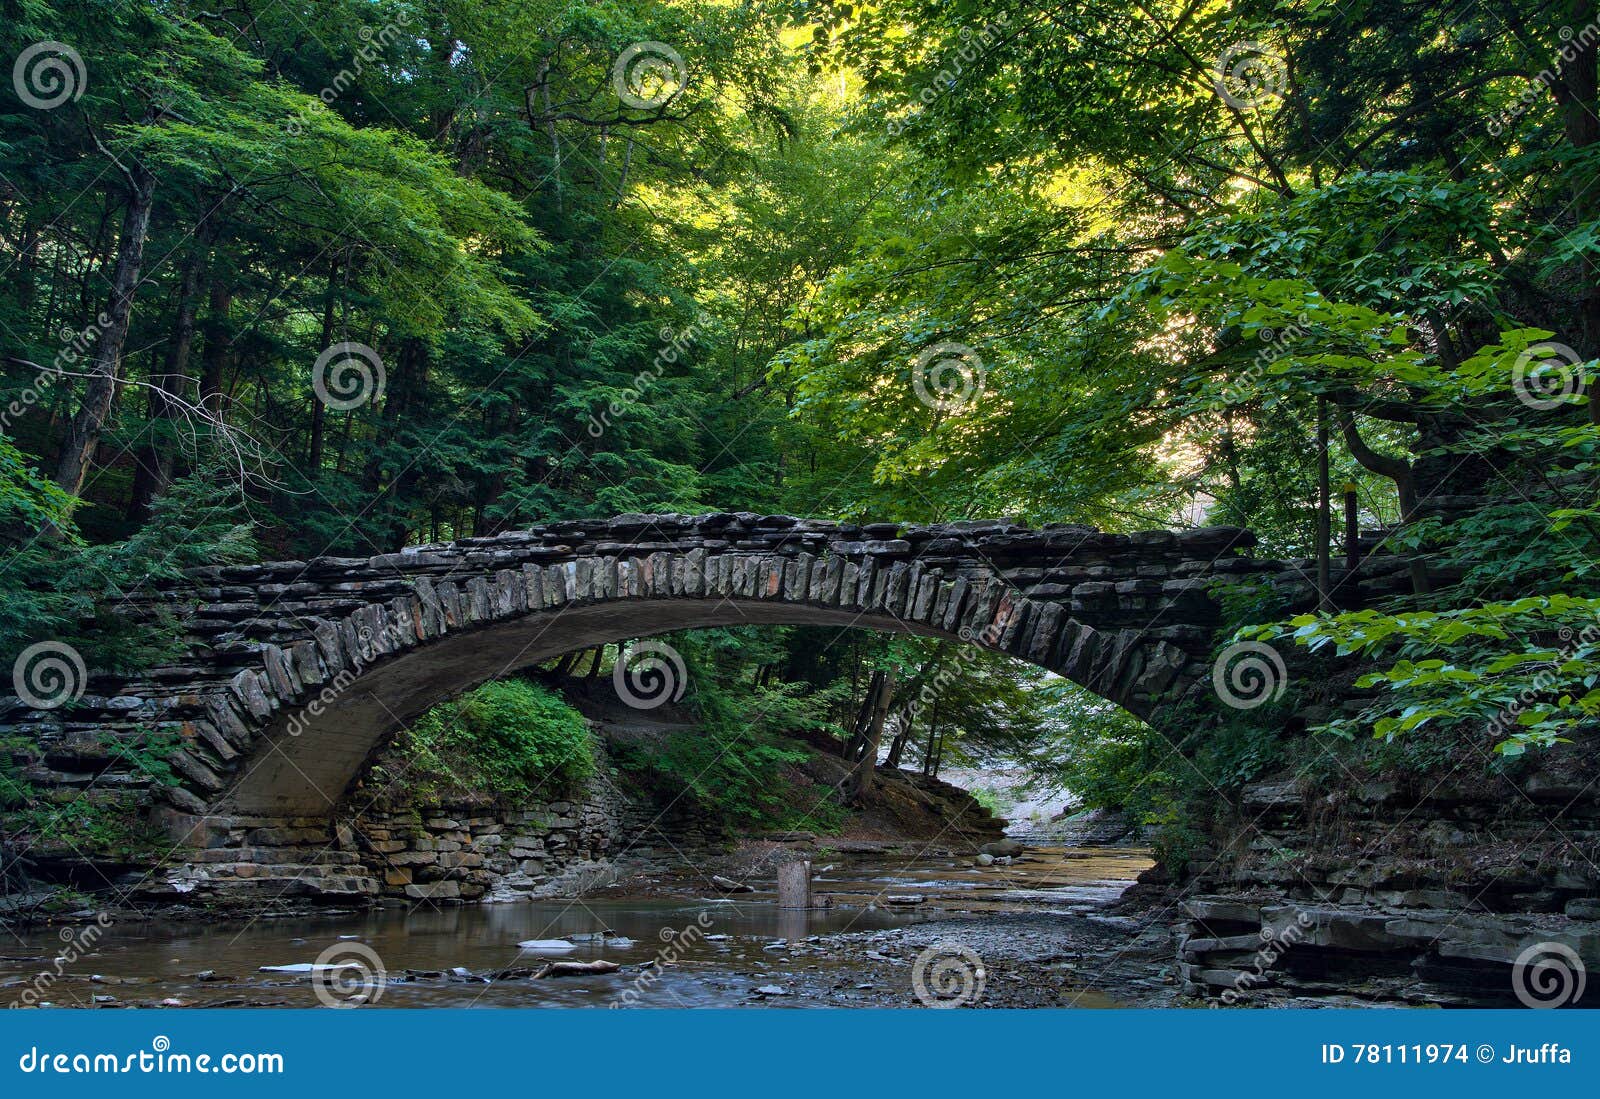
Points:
(289, 280)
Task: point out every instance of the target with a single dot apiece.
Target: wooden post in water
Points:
(794, 884)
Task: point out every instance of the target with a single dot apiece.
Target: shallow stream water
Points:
(688, 951)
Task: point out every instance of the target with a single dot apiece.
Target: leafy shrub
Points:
(512, 738)
(989, 799)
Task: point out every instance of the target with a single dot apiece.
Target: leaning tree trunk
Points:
(77, 451)
(858, 729)
(861, 778)
(1397, 470)
(897, 746)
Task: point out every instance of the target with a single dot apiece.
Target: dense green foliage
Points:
(516, 739)
(730, 765)
(904, 259)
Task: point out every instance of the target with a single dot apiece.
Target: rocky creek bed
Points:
(1034, 933)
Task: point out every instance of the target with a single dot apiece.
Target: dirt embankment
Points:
(903, 809)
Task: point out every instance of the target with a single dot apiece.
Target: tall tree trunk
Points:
(319, 411)
(1580, 81)
(1324, 514)
(214, 354)
(77, 451)
(153, 471)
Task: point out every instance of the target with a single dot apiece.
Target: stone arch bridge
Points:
(297, 671)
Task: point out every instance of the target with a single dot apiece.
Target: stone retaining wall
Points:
(461, 847)
(472, 847)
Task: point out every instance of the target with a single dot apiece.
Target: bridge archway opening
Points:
(308, 755)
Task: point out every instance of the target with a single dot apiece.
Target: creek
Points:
(682, 950)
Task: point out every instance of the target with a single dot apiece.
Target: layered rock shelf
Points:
(1383, 893)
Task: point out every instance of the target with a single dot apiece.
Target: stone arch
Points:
(294, 670)
(302, 725)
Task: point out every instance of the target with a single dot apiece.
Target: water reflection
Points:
(437, 957)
